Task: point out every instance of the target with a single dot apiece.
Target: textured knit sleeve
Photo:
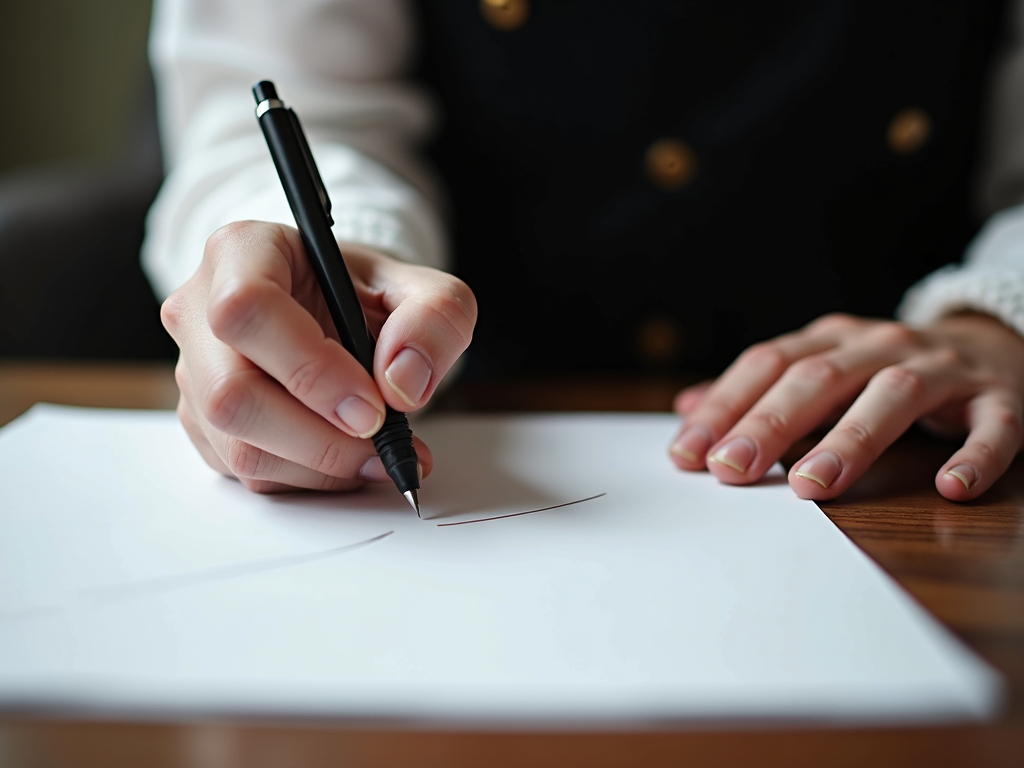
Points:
(339, 64)
(991, 277)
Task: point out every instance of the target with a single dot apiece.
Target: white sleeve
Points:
(991, 278)
(338, 62)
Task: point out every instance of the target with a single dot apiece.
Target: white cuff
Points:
(996, 292)
(991, 279)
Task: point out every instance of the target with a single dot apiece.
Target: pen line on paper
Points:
(145, 587)
(136, 589)
(527, 512)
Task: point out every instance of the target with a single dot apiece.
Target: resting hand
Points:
(964, 374)
(268, 394)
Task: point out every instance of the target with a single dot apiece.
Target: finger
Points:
(804, 396)
(183, 313)
(264, 472)
(995, 422)
(893, 400)
(269, 474)
(233, 396)
(743, 384)
(187, 417)
(251, 309)
(199, 439)
(688, 399)
(430, 320)
(373, 470)
(175, 313)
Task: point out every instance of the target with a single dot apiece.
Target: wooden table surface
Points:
(963, 562)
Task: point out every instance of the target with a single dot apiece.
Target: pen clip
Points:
(314, 173)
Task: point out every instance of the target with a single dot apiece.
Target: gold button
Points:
(505, 14)
(658, 341)
(670, 163)
(909, 131)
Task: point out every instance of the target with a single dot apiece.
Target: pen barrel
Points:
(394, 446)
(311, 207)
(280, 130)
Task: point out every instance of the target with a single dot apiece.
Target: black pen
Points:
(312, 210)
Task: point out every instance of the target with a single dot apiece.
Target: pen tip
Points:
(414, 501)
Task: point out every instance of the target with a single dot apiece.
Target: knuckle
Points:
(459, 317)
(234, 309)
(464, 297)
(895, 335)
(985, 452)
(858, 434)
(243, 459)
(947, 357)
(332, 459)
(771, 422)
(1010, 421)
(721, 411)
(172, 312)
(766, 356)
(304, 380)
(181, 375)
(225, 236)
(457, 306)
(820, 370)
(325, 483)
(328, 483)
(835, 321)
(228, 403)
(906, 384)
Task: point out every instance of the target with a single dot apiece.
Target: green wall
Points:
(71, 70)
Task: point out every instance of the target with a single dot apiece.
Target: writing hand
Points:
(271, 397)
(965, 374)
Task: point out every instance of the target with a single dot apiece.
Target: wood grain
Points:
(141, 385)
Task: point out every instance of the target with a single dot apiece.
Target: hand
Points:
(268, 394)
(964, 374)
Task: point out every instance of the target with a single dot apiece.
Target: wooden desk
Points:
(964, 562)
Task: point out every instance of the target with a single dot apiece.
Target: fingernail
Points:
(737, 453)
(692, 444)
(965, 473)
(409, 375)
(419, 471)
(823, 468)
(373, 471)
(359, 416)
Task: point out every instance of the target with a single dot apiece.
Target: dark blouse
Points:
(653, 186)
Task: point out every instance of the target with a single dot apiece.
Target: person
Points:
(628, 189)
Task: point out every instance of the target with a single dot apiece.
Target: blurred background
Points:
(74, 71)
(79, 165)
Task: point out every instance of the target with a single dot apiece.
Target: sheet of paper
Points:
(134, 580)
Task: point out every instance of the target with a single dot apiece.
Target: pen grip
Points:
(393, 443)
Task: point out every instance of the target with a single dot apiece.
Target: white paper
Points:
(135, 580)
